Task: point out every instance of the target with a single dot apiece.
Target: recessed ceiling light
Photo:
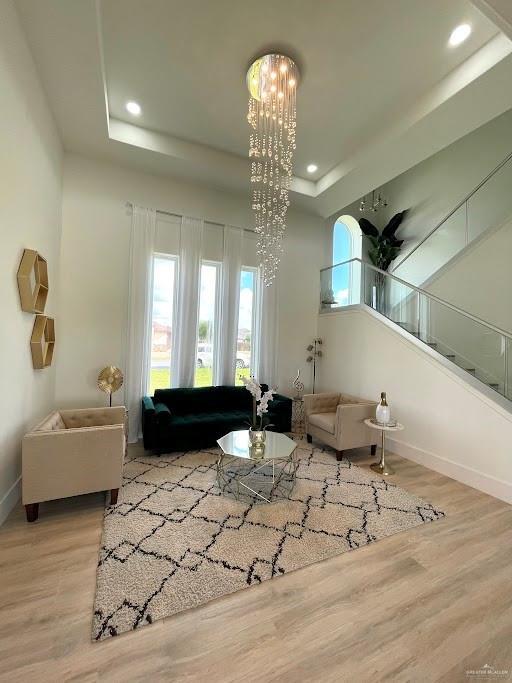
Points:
(459, 34)
(311, 168)
(133, 108)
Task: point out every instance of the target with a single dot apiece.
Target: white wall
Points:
(94, 269)
(433, 187)
(30, 206)
(481, 279)
(449, 426)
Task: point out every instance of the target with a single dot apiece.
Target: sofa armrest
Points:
(350, 419)
(320, 403)
(148, 405)
(280, 413)
(162, 413)
(280, 398)
(148, 423)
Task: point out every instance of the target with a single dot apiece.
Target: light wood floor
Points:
(427, 604)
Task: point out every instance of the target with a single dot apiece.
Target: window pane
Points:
(161, 323)
(206, 329)
(244, 344)
(341, 243)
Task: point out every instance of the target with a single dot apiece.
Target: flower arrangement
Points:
(260, 401)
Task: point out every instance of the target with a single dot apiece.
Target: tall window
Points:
(245, 347)
(207, 349)
(164, 280)
(206, 332)
(346, 245)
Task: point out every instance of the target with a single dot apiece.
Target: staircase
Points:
(459, 337)
(486, 207)
(463, 340)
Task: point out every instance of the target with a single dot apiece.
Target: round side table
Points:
(382, 467)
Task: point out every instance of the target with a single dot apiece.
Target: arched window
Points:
(347, 243)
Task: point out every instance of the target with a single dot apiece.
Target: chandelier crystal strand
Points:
(272, 81)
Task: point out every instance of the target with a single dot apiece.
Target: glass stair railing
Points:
(476, 346)
(487, 206)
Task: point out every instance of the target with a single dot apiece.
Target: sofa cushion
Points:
(325, 421)
(204, 399)
(186, 401)
(232, 398)
(205, 420)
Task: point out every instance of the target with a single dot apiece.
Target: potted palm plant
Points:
(384, 248)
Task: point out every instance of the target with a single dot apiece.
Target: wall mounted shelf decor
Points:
(33, 282)
(42, 342)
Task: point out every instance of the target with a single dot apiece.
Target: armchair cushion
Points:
(325, 421)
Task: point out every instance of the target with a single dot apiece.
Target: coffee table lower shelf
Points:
(275, 478)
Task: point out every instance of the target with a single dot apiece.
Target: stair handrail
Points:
(461, 311)
(456, 208)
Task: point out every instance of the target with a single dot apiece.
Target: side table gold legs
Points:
(382, 467)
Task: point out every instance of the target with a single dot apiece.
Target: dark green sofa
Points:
(187, 419)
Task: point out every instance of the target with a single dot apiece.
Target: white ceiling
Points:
(374, 74)
(185, 62)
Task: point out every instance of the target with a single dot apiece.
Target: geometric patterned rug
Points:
(174, 541)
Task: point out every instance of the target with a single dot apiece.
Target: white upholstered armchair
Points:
(72, 452)
(338, 420)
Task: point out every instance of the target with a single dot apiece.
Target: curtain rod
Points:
(179, 215)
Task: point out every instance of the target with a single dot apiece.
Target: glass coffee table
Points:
(261, 474)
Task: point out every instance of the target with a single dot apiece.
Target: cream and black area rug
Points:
(174, 541)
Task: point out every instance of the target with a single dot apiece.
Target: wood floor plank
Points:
(425, 605)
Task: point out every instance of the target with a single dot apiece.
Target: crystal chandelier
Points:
(272, 81)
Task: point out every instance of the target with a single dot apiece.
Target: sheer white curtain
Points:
(230, 301)
(139, 314)
(268, 333)
(184, 354)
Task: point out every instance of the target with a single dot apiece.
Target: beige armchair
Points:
(338, 421)
(72, 452)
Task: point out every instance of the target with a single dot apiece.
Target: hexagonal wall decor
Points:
(42, 342)
(33, 282)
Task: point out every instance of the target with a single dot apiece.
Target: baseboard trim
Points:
(498, 488)
(9, 500)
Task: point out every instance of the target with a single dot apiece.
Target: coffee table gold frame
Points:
(283, 469)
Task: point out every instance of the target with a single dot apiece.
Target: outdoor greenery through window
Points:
(164, 275)
(206, 342)
(246, 324)
(165, 283)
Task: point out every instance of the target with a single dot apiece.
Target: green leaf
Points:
(393, 224)
(368, 228)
